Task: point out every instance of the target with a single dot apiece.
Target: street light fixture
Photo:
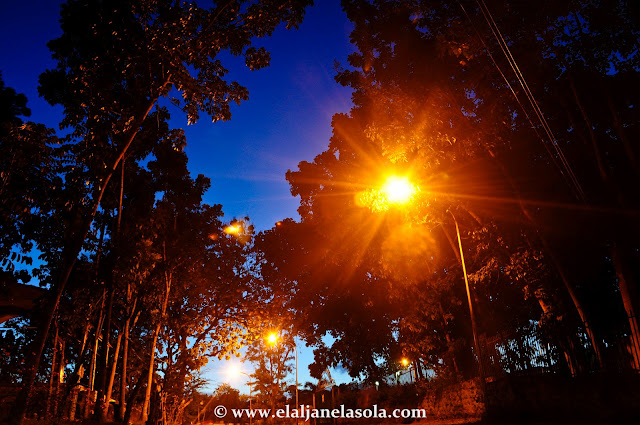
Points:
(474, 329)
(272, 339)
(398, 191)
(250, 395)
(232, 229)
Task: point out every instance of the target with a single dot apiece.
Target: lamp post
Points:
(250, 395)
(474, 330)
(272, 338)
(399, 191)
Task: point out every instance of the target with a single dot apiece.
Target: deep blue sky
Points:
(286, 120)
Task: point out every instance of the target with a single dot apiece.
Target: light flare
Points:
(272, 338)
(233, 371)
(398, 190)
(233, 229)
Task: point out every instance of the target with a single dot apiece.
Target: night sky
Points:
(286, 120)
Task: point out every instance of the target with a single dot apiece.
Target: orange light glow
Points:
(233, 229)
(272, 338)
(405, 362)
(398, 190)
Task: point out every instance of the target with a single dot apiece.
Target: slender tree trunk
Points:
(116, 354)
(167, 289)
(106, 344)
(85, 337)
(132, 395)
(147, 395)
(125, 358)
(574, 298)
(56, 408)
(123, 373)
(53, 372)
(74, 402)
(94, 356)
(629, 300)
(78, 371)
(595, 343)
(94, 361)
(454, 363)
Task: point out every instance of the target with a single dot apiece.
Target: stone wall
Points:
(583, 399)
(460, 401)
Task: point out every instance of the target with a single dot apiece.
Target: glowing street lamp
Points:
(272, 339)
(232, 229)
(405, 363)
(398, 190)
(395, 191)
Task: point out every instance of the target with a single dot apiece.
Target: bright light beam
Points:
(233, 229)
(272, 338)
(398, 190)
(233, 371)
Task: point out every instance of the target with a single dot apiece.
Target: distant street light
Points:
(232, 229)
(412, 371)
(272, 339)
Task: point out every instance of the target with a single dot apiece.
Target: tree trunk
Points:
(94, 360)
(547, 248)
(59, 382)
(47, 409)
(629, 300)
(595, 343)
(125, 358)
(452, 356)
(116, 354)
(94, 356)
(132, 395)
(167, 289)
(147, 395)
(106, 344)
(72, 381)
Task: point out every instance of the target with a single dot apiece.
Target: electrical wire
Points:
(525, 86)
(565, 167)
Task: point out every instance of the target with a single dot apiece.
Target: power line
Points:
(565, 167)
